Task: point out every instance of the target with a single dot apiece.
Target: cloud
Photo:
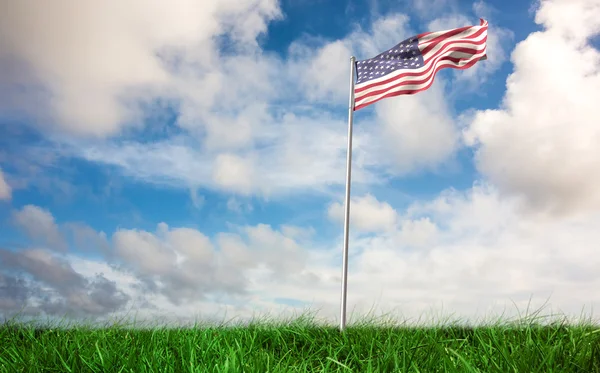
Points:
(483, 9)
(183, 264)
(40, 226)
(14, 293)
(321, 60)
(472, 252)
(417, 131)
(259, 140)
(87, 239)
(469, 251)
(541, 143)
(69, 292)
(233, 173)
(428, 9)
(5, 189)
(237, 134)
(306, 152)
(96, 61)
(197, 200)
(367, 214)
(475, 253)
(177, 264)
(237, 206)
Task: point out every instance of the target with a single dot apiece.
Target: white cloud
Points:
(5, 189)
(144, 252)
(449, 22)
(418, 233)
(250, 146)
(184, 264)
(417, 132)
(95, 60)
(471, 253)
(237, 206)
(297, 233)
(327, 79)
(483, 9)
(321, 64)
(482, 253)
(246, 131)
(541, 144)
(367, 214)
(197, 200)
(233, 173)
(430, 8)
(306, 152)
(39, 225)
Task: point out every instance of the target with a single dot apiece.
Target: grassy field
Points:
(301, 345)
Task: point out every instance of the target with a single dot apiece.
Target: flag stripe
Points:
(403, 89)
(392, 76)
(448, 62)
(478, 38)
(385, 80)
(467, 52)
(459, 48)
(463, 33)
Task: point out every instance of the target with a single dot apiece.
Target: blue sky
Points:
(195, 154)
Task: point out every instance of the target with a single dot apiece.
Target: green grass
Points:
(302, 345)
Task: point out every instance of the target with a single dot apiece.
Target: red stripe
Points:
(406, 82)
(463, 40)
(443, 50)
(432, 43)
(390, 80)
(360, 89)
(413, 91)
(425, 63)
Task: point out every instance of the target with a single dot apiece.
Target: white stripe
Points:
(392, 84)
(402, 71)
(464, 34)
(465, 43)
(423, 68)
(360, 101)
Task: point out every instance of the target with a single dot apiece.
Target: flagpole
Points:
(347, 202)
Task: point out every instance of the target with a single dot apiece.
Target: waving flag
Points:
(410, 66)
(406, 69)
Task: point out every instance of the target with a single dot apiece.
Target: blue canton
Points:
(405, 55)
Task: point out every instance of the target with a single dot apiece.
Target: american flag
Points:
(410, 66)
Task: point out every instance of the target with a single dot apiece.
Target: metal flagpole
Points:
(347, 203)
